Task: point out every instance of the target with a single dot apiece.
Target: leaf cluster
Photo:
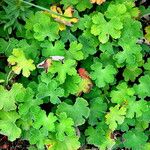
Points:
(97, 96)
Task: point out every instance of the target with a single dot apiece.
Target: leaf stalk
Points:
(45, 9)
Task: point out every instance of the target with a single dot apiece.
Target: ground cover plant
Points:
(74, 74)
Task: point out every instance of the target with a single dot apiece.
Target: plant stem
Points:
(45, 9)
(8, 77)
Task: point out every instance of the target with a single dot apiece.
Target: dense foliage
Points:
(97, 95)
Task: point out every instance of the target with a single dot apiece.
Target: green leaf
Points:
(116, 10)
(3, 45)
(84, 4)
(97, 110)
(71, 85)
(78, 112)
(67, 68)
(49, 87)
(123, 10)
(147, 65)
(138, 137)
(68, 3)
(100, 136)
(41, 26)
(53, 50)
(107, 48)
(94, 93)
(127, 124)
(145, 115)
(89, 42)
(30, 48)
(75, 51)
(80, 5)
(143, 88)
(115, 116)
(8, 125)
(102, 76)
(70, 37)
(13, 12)
(143, 10)
(65, 127)
(28, 102)
(69, 143)
(136, 108)
(41, 120)
(9, 98)
(7, 101)
(20, 62)
(129, 55)
(38, 137)
(7, 46)
(96, 135)
(130, 73)
(122, 94)
(146, 146)
(104, 29)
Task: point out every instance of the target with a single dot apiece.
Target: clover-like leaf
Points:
(38, 137)
(147, 65)
(64, 127)
(136, 108)
(116, 10)
(49, 87)
(83, 5)
(75, 51)
(115, 116)
(41, 26)
(143, 89)
(41, 120)
(67, 68)
(28, 102)
(104, 29)
(102, 75)
(97, 110)
(138, 137)
(20, 63)
(69, 143)
(78, 112)
(71, 85)
(89, 43)
(53, 50)
(8, 99)
(122, 94)
(96, 135)
(123, 10)
(100, 136)
(129, 55)
(130, 73)
(64, 137)
(80, 5)
(8, 125)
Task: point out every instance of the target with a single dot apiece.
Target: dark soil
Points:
(18, 144)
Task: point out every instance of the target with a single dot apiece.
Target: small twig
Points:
(7, 46)
(107, 100)
(45, 9)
